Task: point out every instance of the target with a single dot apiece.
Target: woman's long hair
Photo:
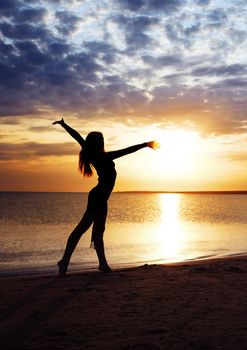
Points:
(94, 144)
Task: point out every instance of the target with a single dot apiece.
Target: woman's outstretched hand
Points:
(153, 144)
(61, 122)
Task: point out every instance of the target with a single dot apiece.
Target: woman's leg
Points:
(73, 239)
(97, 234)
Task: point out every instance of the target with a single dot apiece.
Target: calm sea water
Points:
(141, 228)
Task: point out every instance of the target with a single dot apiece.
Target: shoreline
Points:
(77, 269)
(183, 305)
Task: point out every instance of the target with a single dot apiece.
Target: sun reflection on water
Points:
(171, 230)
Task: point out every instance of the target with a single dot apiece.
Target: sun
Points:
(177, 153)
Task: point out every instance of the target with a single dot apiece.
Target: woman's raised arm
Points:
(71, 131)
(131, 149)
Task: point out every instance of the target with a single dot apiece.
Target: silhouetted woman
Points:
(93, 156)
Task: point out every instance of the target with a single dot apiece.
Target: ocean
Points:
(142, 228)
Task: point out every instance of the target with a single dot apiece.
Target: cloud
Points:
(203, 2)
(163, 60)
(180, 35)
(23, 31)
(103, 51)
(30, 15)
(195, 28)
(135, 30)
(217, 16)
(231, 83)
(33, 150)
(7, 5)
(237, 36)
(225, 70)
(38, 129)
(132, 5)
(67, 22)
(151, 5)
(138, 59)
(237, 156)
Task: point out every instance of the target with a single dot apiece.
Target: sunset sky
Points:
(137, 70)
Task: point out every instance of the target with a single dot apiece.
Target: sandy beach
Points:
(195, 305)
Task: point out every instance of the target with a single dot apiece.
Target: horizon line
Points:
(140, 191)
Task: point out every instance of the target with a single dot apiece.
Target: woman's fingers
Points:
(153, 144)
(61, 121)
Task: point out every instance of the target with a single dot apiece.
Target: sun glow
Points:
(177, 153)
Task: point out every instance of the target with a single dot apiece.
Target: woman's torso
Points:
(106, 172)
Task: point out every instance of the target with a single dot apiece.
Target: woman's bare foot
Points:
(62, 268)
(105, 269)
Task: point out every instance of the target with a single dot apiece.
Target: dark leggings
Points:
(95, 214)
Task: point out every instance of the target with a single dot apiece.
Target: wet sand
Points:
(197, 305)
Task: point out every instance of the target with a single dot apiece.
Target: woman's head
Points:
(93, 145)
(95, 142)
